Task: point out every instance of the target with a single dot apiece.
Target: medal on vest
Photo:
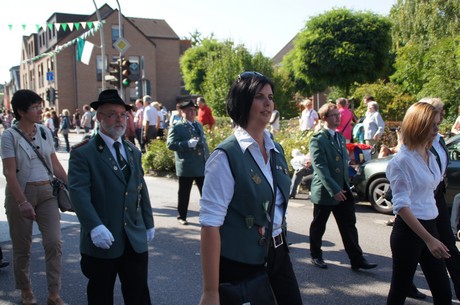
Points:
(255, 177)
(249, 221)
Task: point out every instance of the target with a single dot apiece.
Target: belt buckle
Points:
(278, 240)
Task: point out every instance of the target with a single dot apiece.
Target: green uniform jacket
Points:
(241, 234)
(330, 165)
(189, 161)
(101, 195)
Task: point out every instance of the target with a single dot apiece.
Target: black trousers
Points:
(408, 249)
(448, 239)
(185, 187)
(279, 269)
(344, 214)
(132, 269)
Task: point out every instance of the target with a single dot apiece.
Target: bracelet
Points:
(25, 201)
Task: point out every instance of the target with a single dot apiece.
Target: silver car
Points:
(370, 182)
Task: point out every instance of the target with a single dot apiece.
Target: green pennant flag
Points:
(50, 26)
(77, 25)
(80, 47)
(90, 24)
(37, 26)
(10, 26)
(64, 26)
(24, 27)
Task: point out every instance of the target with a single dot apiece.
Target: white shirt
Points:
(219, 184)
(109, 142)
(307, 120)
(413, 183)
(151, 115)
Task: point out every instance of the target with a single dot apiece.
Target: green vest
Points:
(242, 231)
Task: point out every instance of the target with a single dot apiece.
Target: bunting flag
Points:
(84, 48)
(87, 51)
(58, 26)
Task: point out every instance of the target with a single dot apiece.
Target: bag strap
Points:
(345, 126)
(35, 150)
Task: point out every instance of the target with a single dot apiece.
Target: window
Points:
(115, 34)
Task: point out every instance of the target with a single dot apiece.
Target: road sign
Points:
(121, 45)
(49, 76)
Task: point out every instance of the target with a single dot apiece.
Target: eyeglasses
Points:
(121, 116)
(248, 74)
(36, 108)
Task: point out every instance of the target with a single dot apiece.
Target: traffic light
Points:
(125, 72)
(48, 95)
(114, 74)
(139, 93)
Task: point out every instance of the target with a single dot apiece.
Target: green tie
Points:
(121, 161)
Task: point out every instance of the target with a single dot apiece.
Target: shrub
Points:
(158, 158)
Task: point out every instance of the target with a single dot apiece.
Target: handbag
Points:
(255, 290)
(60, 190)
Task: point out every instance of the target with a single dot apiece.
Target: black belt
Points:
(278, 240)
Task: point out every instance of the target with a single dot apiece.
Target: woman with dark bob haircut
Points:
(243, 177)
(29, 194)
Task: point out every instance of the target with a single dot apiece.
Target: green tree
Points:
(426, 41)
(341, 47)
(210, 68)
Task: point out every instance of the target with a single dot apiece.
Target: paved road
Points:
(174, 265)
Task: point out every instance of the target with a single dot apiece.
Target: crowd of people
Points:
(244, 186)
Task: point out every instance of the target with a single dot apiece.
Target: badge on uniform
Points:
(255, 177)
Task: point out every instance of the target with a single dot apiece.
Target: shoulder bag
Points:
(257, 289)
(60, 190)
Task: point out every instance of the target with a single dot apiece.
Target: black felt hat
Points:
(187, 103)
(109, 96)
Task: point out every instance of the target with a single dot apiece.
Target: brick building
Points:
(49, 59)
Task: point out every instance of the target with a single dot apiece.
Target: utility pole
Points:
(120, 35)
(101, 31)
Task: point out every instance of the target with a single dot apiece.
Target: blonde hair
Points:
(417, 125)
(434, 101)
(65, 112)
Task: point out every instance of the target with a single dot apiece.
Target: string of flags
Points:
(93, 27)
(57, 25)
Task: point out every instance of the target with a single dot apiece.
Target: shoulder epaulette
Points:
(80, 144)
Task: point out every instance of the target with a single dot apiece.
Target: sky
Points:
(261, 25)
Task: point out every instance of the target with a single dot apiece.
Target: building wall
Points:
(77, 83)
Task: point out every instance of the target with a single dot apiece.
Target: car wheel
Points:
(377, 191)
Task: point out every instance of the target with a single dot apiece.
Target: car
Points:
(371, 184)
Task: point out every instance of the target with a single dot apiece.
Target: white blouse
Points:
(219, 184)
(413, 183)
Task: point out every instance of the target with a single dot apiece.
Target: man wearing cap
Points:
(112, 203)
(191, 151)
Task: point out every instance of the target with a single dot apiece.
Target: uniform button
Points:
(126, 194)
(126, 224)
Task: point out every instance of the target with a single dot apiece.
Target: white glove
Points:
(150, 234)
(101, 237)
(192, 143)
